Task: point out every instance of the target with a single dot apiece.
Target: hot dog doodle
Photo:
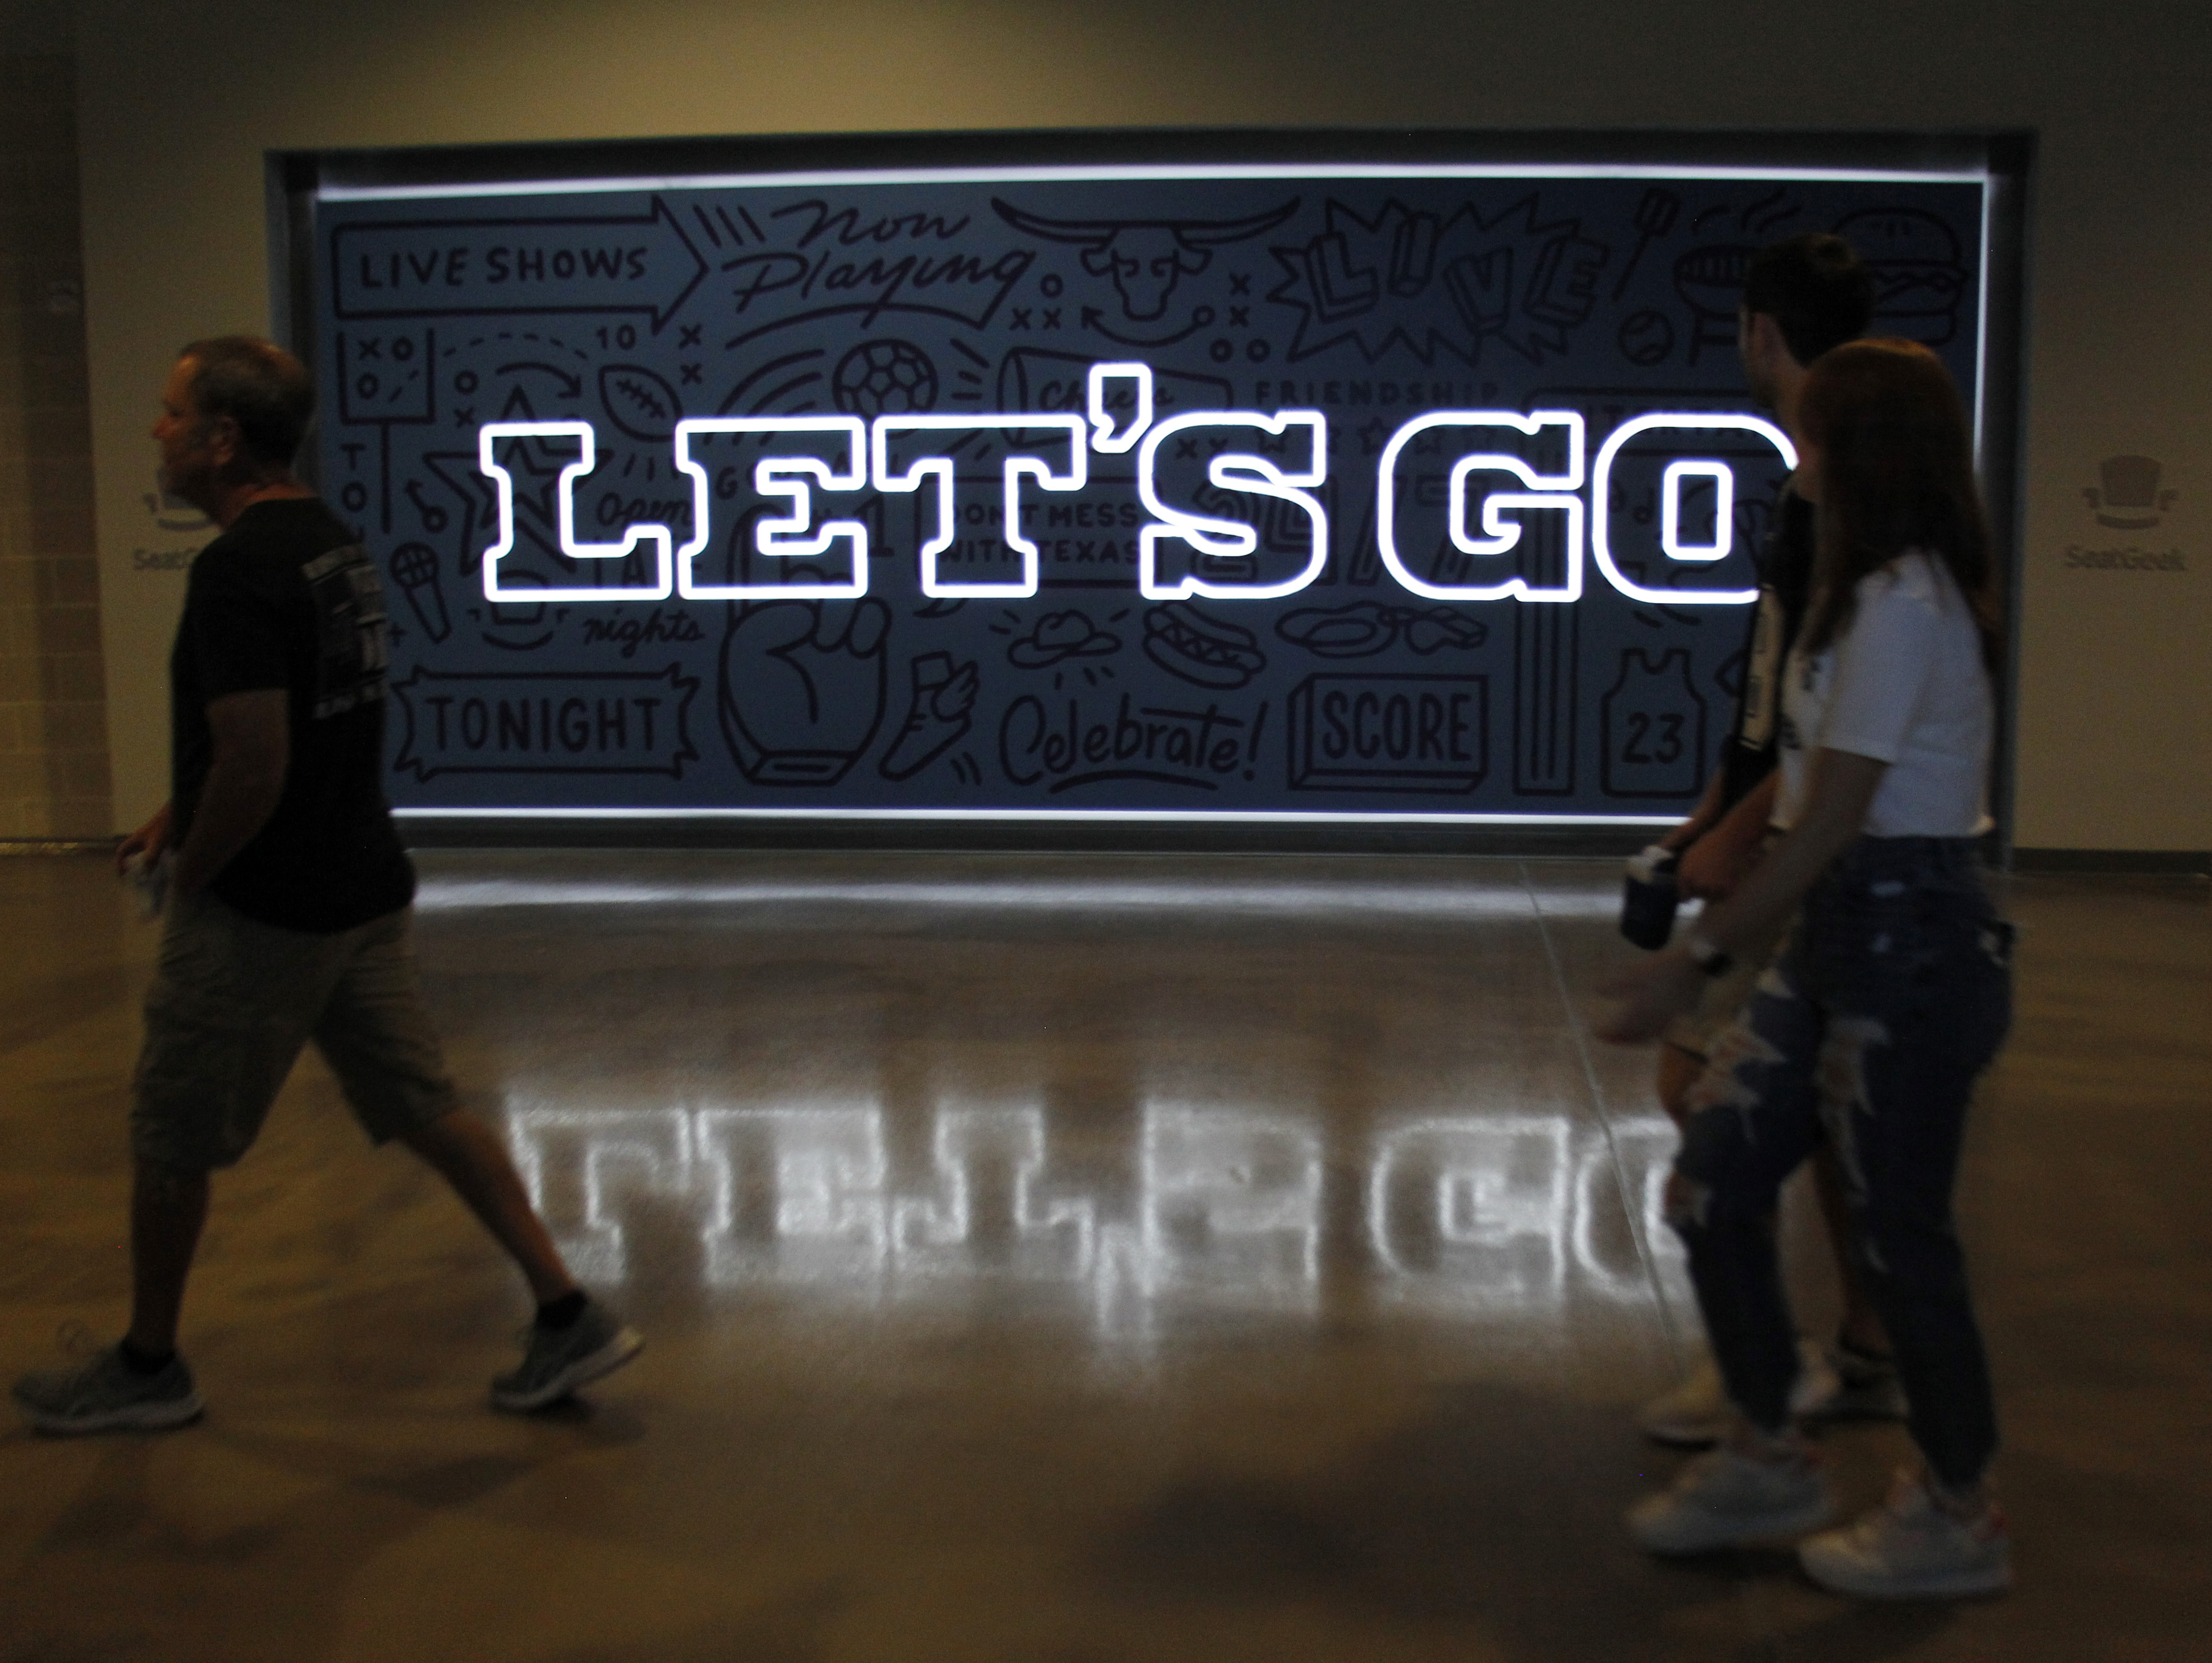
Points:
(1208, 651)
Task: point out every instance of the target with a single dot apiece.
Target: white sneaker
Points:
(1696, 1414)
(1909, 1548)
(1722, 1498)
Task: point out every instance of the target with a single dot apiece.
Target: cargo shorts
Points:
(233, 1001)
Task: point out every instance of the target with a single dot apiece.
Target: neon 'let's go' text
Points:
(1267, 467)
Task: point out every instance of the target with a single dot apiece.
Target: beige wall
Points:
(180, 101)
(53, 721)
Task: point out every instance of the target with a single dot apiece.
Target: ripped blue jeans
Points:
(1890, 998)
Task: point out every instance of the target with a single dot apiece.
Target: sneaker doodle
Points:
(937, 719)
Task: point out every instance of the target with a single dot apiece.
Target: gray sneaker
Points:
(1722, 1500)
(106, 1394)
(557, 1361)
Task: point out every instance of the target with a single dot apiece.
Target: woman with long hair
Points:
(1891, 998)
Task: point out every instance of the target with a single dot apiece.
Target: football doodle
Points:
(1332, 489)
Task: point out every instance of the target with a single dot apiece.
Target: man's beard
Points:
(195, 485)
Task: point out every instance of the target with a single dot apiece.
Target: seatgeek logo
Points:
(1255, 456)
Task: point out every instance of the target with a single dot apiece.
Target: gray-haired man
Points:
(288, 912)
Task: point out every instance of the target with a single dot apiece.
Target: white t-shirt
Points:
(1904, 684)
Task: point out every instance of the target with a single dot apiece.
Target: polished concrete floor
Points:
(1057, 1260)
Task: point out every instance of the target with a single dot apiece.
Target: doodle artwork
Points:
(1303, 491)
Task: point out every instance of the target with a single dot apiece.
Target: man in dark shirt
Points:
(1800, 297)
(289, 917)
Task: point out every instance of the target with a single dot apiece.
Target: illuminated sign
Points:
(796, 536)
(1273, 492)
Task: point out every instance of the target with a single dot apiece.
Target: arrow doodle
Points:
(609, 264)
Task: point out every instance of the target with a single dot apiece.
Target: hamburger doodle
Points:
(1206, 651)
(1918, 279)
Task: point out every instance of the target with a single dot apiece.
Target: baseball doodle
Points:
(1341, 490)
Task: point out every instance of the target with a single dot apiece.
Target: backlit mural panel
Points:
(1289, 491)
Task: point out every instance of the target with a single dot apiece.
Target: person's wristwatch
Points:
(1710, 959)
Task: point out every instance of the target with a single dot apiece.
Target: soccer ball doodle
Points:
(885, 378)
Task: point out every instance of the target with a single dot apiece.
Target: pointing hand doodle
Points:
(804, 687)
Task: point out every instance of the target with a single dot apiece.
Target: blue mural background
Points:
(1370, 300)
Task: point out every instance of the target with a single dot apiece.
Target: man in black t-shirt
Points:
(1800, 297)
(287, 916)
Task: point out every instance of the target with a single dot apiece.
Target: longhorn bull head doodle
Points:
(1145, 257)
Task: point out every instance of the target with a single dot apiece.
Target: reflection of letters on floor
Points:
(1223, 1211)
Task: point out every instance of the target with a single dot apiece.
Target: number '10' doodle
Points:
(1283, 456)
